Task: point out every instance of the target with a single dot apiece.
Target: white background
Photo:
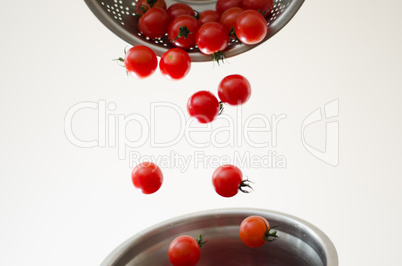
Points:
(65, 205)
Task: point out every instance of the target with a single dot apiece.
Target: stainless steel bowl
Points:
(118, 16)
(300, 243)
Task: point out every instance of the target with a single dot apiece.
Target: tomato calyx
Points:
(183, 32)
(218, 56)
(200, 242)
(221, 108)
(233, 34)
(197, 14)
(271, 236)
(143, 9)
(120, 60)
(245, 184)
(151, 3)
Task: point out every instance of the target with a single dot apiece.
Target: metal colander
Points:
(120, 18)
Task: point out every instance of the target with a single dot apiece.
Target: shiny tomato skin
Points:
(203, 106)
(140, 61)
(144, 4)
(208, 16)
(211, 38)
(178, 9)
(175, 64)
(262, 6)
(226, 180)
(252, 231)
(251, 27)
(154, 23)
(184, 251)
(147, 177)
(222, 5)
(234, 90)
(229, 17)
(184, 42)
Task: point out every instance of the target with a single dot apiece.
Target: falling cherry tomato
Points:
(204, 106)
(228, 180)
(148, 177)
(140, 61)
(175, 64)
(234, 90)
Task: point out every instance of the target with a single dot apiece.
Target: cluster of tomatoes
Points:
(254, 231)
(233, 90)
(210, 31)
(227, 179)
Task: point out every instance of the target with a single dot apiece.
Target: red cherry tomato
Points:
(228, 180)
(204, 106)
(148, 177)
(229, 17)
(222, 5)
(251, 27)
(212, 38)
(140, 61)
(182, 31)
(175, 63)
(178, 9)
(255, 231)
(234, 90)
(208, 16)
(185, 251)
(262, 6)
(143, 5)
(154, 23)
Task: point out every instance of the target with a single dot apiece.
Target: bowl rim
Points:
(327, 247)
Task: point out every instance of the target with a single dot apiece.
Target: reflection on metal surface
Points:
(299, 243)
